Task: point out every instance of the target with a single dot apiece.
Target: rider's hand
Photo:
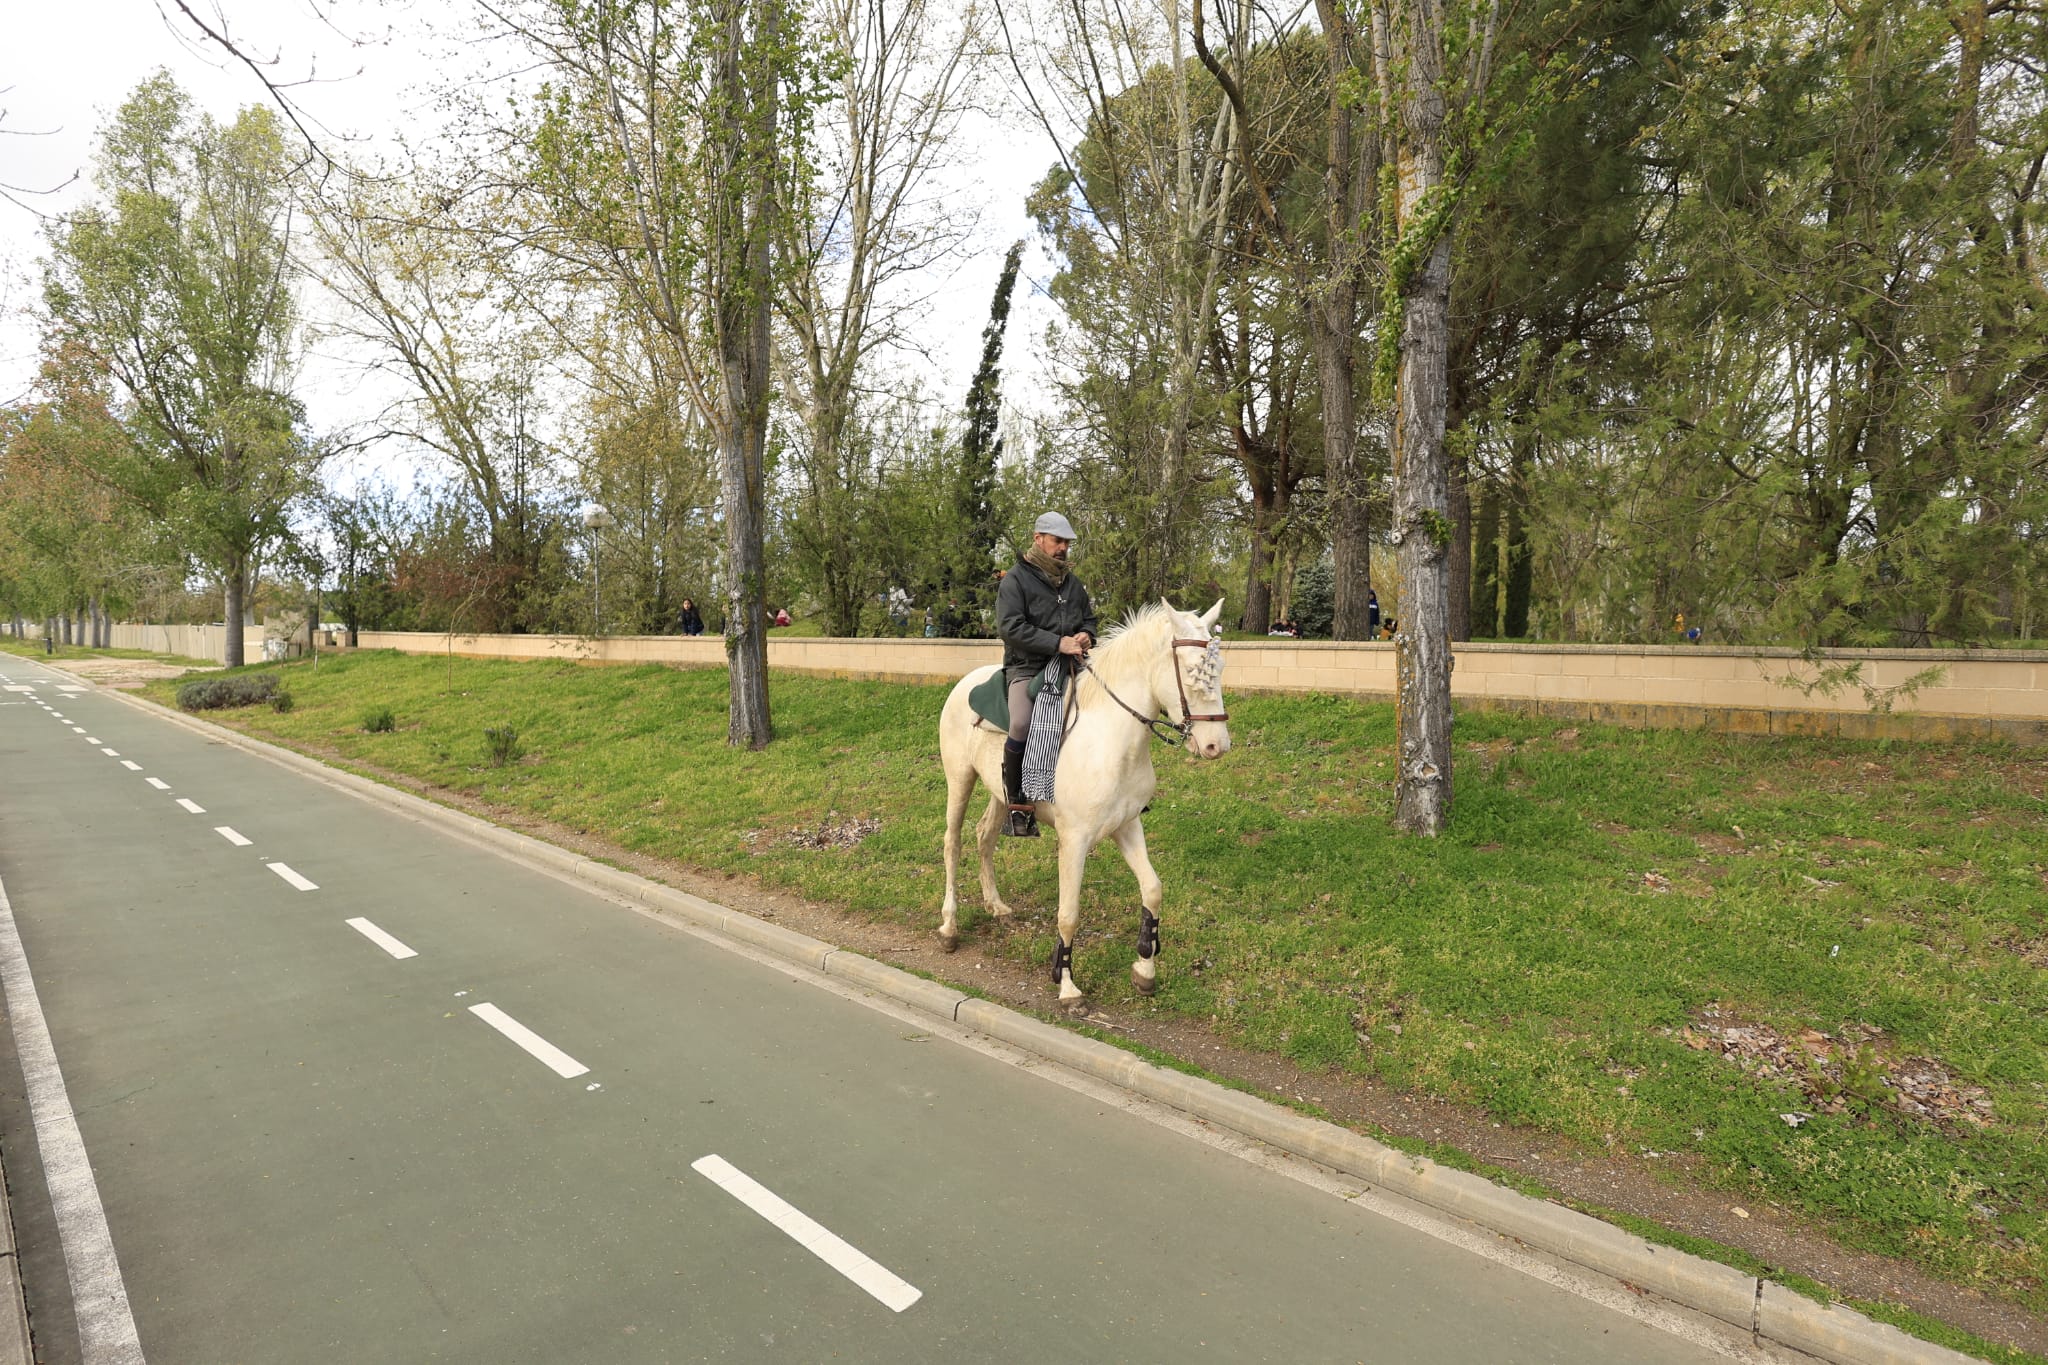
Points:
(1072, 644)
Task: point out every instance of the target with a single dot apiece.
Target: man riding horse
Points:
(1041, 611)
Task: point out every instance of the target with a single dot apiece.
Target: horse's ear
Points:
(1209, 616)
(1169, 607)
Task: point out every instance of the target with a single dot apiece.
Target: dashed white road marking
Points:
(158, 783)
(90, 740)
(106, 1324)
(381, 939)
(19, 687)
(189, 804)
(294, 878)
(110, 753)
(231, 836)
(559, 1061)
(79, 729)
(131, 765)
(895, 1293)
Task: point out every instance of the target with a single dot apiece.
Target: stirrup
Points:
(1023, 823)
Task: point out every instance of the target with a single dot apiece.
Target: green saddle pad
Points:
(990, 699)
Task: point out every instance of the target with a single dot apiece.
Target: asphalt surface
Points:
(309, 1149)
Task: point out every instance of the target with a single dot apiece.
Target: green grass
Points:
(1520, 963)
(33, 649)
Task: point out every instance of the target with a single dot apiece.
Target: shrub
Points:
(282, 702)
(242, 689)
(378, 720)
(1315, 594)
(502, 743)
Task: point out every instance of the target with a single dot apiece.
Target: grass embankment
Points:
(33, 649)
(1659, 942)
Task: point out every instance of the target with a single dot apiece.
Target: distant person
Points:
(1678, 625)
(949, 619)
(1693, 634)
(689, 620)
(1372, 613)
(781, 616)
(1388, 627)
(1279, 627)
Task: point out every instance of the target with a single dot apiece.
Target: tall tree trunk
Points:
(743, 342)
(1459, 586)
(1258, 598)
(237, 592)
(1514, 620)
(1333, 326)
(1485, 618)
(1421, 514)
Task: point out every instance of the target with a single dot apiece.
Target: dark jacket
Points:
(690, 622)
(1032, 616)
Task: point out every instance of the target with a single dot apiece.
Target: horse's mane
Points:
(1127, 651)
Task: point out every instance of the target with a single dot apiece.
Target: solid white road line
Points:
(562, 1063)
(189, 804)
(131, 765)
(895, 1293)
(381, 939)
(158, 783)
(294, 878)
(106, 1325)
(224, 832)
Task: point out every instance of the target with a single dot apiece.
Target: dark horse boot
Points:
(1023, 822)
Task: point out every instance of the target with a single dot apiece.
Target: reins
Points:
(1162, 729)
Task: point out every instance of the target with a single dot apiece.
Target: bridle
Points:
(1163, 729)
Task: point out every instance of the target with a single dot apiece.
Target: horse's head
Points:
(1189, 681)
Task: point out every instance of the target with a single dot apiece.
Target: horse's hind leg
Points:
(1130, 841)
(987, 835)
(959, 788)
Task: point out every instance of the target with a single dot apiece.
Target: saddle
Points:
(990, 699)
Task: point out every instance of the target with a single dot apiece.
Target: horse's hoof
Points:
(948, 942)
(998, 910)
(1076, 1005)
(1142, 984)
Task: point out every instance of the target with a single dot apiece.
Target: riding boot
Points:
(1023, 822)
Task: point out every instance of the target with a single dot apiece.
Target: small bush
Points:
(282, 702)
(502, 743)
(245, 689)
(378, 720)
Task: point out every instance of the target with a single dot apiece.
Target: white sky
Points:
(66, 65)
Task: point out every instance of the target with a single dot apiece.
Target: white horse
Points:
(1158, 662)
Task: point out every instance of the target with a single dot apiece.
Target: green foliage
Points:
(281, 702)
(378, 720)
(177, 283)
(1315, 595)
(232, 690)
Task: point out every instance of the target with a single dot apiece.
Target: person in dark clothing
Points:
(1372, 614)
(689, 620)
(1041, 610)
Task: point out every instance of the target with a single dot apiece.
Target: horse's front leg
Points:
(1130, 841)
(1074, 849)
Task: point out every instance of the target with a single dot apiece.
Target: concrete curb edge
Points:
(1767, 1310)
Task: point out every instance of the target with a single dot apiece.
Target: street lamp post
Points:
(596, 520)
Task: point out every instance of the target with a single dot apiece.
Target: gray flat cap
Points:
(1053, 524)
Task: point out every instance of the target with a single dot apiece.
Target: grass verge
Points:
(1738, 955)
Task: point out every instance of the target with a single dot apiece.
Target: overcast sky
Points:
(362, 70)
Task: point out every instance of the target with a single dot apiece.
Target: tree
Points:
(969, 580)
(177, 285)
(1432, 110)
(659, 153)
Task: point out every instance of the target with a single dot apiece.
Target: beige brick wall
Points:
(1725, 688)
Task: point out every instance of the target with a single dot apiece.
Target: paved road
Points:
(562, 1131)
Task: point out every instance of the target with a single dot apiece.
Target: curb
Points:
(1761, 1307)
(15, 1347)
